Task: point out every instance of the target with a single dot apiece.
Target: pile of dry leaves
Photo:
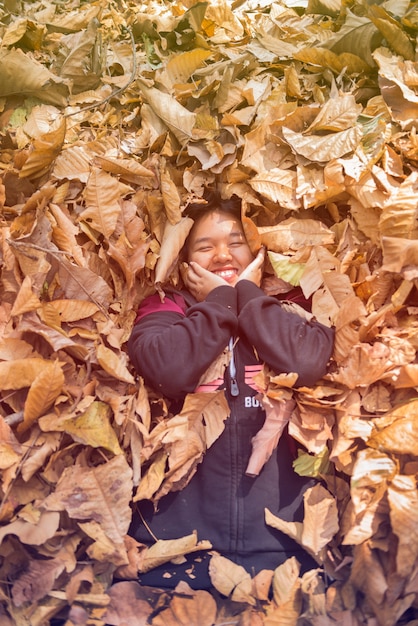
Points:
(113, 115)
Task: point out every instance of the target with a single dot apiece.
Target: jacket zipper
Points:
(233, 370)
(234, 391)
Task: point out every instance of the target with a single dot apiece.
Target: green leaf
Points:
(312, 465)
(285, 269)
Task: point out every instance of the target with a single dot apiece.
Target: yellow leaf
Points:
(93, 428)
(312, 465)
(180, 67)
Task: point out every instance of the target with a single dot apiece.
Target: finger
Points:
(197, 269)
(261, 254)
(260, 258)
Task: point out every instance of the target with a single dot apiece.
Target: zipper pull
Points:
(234, 387)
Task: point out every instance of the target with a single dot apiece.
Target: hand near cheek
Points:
(201, 282)
(254, 271)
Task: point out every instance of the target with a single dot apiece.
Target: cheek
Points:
(245, 258)
(201, 258)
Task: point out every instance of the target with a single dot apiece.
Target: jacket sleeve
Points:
(172, 350)
(285, 341)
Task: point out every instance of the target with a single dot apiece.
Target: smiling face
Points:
(217, 242)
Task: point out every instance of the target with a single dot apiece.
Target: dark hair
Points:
(212, 201)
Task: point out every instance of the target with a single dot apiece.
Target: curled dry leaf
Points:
(167, 550)
(173, 240)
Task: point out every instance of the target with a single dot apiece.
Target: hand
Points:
(201, 282)
(254, 271)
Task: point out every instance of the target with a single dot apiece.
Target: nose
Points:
(223, 253)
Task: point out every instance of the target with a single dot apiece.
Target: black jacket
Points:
(171, 346)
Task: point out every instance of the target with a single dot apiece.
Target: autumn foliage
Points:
(113, 115)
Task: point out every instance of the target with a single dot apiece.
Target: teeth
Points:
(225, 273)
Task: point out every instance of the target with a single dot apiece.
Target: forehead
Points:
(216, 223)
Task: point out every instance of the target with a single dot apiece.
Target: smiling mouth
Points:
(227, 274)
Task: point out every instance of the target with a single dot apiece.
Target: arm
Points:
(171, 350)
(283, 340)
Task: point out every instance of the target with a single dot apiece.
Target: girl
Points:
(172, 344)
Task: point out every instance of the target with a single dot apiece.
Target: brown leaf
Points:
(173, 241)
(36, 581)
(189, 607)
(22, 372)
(91, 427)
(114, 364)
(45, 150)
(320, 521)
(42, 394)
(399, 436)
(170, 195)
(128, 605)
(100, 494)
(278, 414)
(102, 195)
(403, 503)
(166, 550)
(25, 300)
(226, 575)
